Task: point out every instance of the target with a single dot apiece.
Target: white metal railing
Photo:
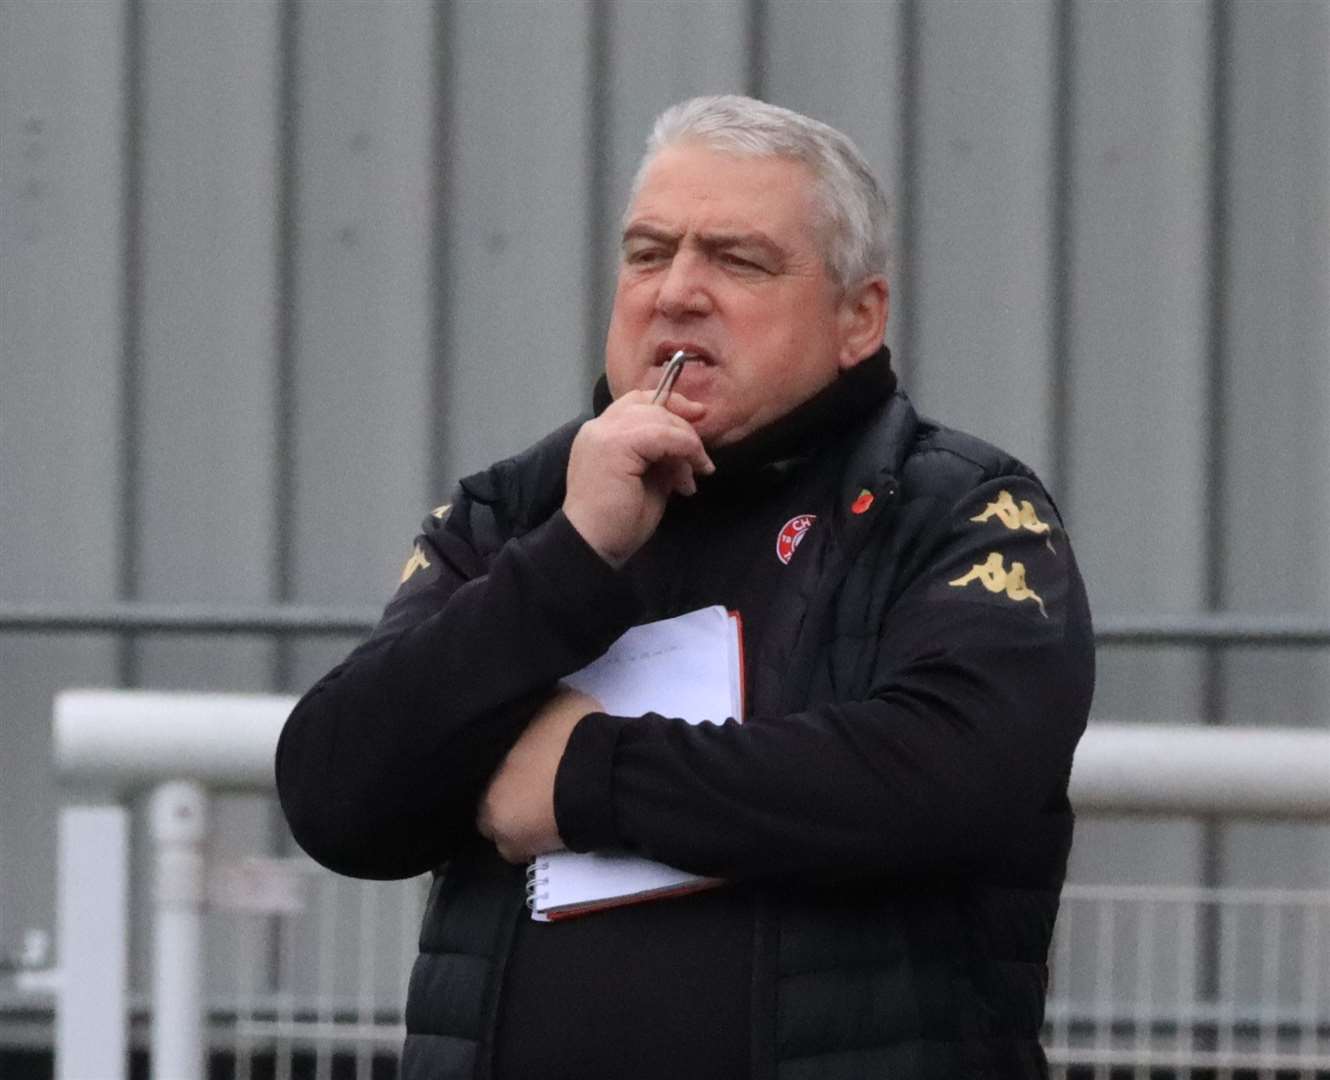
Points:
(307, 1011)
(1140, 1009)
(112, 745)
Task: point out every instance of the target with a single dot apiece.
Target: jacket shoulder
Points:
(944, 463)
(923, 458)
(512, 496)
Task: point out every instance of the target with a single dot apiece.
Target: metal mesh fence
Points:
(1147, 983)
(1189, 982)
(316, 992)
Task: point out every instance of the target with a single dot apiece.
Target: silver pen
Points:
(669, 375)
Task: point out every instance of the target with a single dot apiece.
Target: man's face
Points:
(722, 257)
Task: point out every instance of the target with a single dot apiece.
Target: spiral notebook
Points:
(689, 667)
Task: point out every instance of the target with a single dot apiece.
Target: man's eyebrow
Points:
(745, 238)
(642, 231)
(712, 241)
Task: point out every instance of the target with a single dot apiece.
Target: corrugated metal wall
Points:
(273, 273)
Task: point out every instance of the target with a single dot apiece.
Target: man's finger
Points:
(685, 482)
(663, 443)
(691, 448)
(673, 475)
(675, 402)
(685, 407)
(634, 417)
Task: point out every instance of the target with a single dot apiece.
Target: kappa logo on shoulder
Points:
(994, 576)
(1015, 517)
(791, 535)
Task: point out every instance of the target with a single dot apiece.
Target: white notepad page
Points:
(689, 667)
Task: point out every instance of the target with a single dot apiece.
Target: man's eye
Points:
(740, 263)
(644, 256)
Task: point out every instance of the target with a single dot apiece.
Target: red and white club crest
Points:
(790, 534)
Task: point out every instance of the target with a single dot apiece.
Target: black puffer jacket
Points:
(936, 664)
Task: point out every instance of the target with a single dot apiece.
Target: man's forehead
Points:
(695, 188)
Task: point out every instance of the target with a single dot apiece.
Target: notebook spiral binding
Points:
(535, 884)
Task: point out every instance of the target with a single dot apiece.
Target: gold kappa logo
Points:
(1025, 517)
(994, 576)
(416, 562)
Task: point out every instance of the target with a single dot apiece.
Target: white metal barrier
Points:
(110, 745)
(1268, 1013)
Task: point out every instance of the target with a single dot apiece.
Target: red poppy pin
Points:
(862, 503)
(790, 534)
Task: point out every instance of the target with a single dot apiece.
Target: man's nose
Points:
(684, 289)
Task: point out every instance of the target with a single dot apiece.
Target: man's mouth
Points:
(695, 352)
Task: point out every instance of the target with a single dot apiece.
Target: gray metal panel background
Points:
(1136, 281)
(517, 225)
(61, 289)
(206, 411)
(205, 415)
(1276, 380)
(979, 268)
(273, 274)
(360, 216)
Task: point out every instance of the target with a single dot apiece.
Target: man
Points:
(890, 818)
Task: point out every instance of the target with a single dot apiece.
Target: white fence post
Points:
(179, 815)
(92, 928)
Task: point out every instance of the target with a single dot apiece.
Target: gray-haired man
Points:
(890, 818)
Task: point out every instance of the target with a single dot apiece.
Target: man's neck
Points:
(838, 406)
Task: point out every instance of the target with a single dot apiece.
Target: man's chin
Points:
(718, 437)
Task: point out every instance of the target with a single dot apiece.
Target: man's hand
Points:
(624, 466)
(517, 810)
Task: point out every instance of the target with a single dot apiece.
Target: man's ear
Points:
(863, 315)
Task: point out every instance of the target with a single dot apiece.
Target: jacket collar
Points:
(528, 487)
(837, 407)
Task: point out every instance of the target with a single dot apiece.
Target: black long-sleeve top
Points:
(953, 763)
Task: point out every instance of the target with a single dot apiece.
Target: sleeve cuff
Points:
(584, 785)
